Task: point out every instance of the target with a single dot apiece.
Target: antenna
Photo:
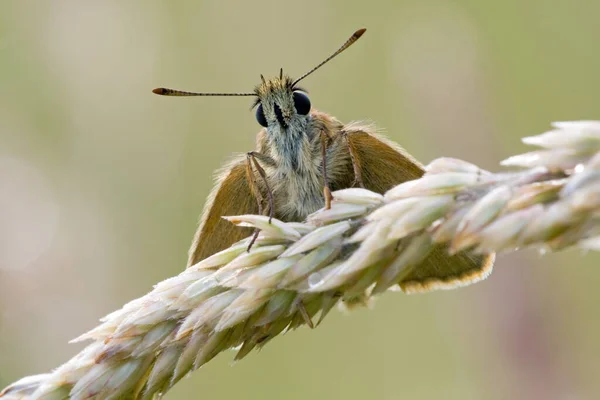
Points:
(355, 36)
(181, 93)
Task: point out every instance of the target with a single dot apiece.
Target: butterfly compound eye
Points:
(301, 103)
(260, 116)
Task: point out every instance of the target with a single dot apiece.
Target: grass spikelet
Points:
(366, 244)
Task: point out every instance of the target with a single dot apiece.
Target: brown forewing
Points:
(231, 195)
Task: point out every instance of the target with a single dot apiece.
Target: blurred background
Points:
(101, 182)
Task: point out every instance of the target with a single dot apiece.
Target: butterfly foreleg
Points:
(252, 158)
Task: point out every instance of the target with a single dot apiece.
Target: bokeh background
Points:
(101, 182)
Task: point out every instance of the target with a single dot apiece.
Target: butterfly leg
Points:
(252, 157)
(254, 185)
(357, 174)
(326, 190)
(252, 161)
(259, 199)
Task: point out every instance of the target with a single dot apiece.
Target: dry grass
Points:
(364, 245)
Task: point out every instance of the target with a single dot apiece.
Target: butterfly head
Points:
(280, 104)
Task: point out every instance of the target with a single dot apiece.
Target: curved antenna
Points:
(181, 93)
(355, 36)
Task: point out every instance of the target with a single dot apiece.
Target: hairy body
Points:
(298, 186)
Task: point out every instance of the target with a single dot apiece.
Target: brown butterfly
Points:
(301, 156)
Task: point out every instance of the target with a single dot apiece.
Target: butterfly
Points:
(301, 156)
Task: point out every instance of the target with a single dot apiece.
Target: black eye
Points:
(260, 116)
(301, 103)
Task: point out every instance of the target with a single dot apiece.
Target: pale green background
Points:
(101, 182)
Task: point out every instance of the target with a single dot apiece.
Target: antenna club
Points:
(359, 32)
(161, 91)
(352, 39)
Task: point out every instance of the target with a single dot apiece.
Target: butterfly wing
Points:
(232, 195)
(382, 165)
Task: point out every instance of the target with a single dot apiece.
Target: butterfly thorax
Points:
(296, 174)
(291, 147)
